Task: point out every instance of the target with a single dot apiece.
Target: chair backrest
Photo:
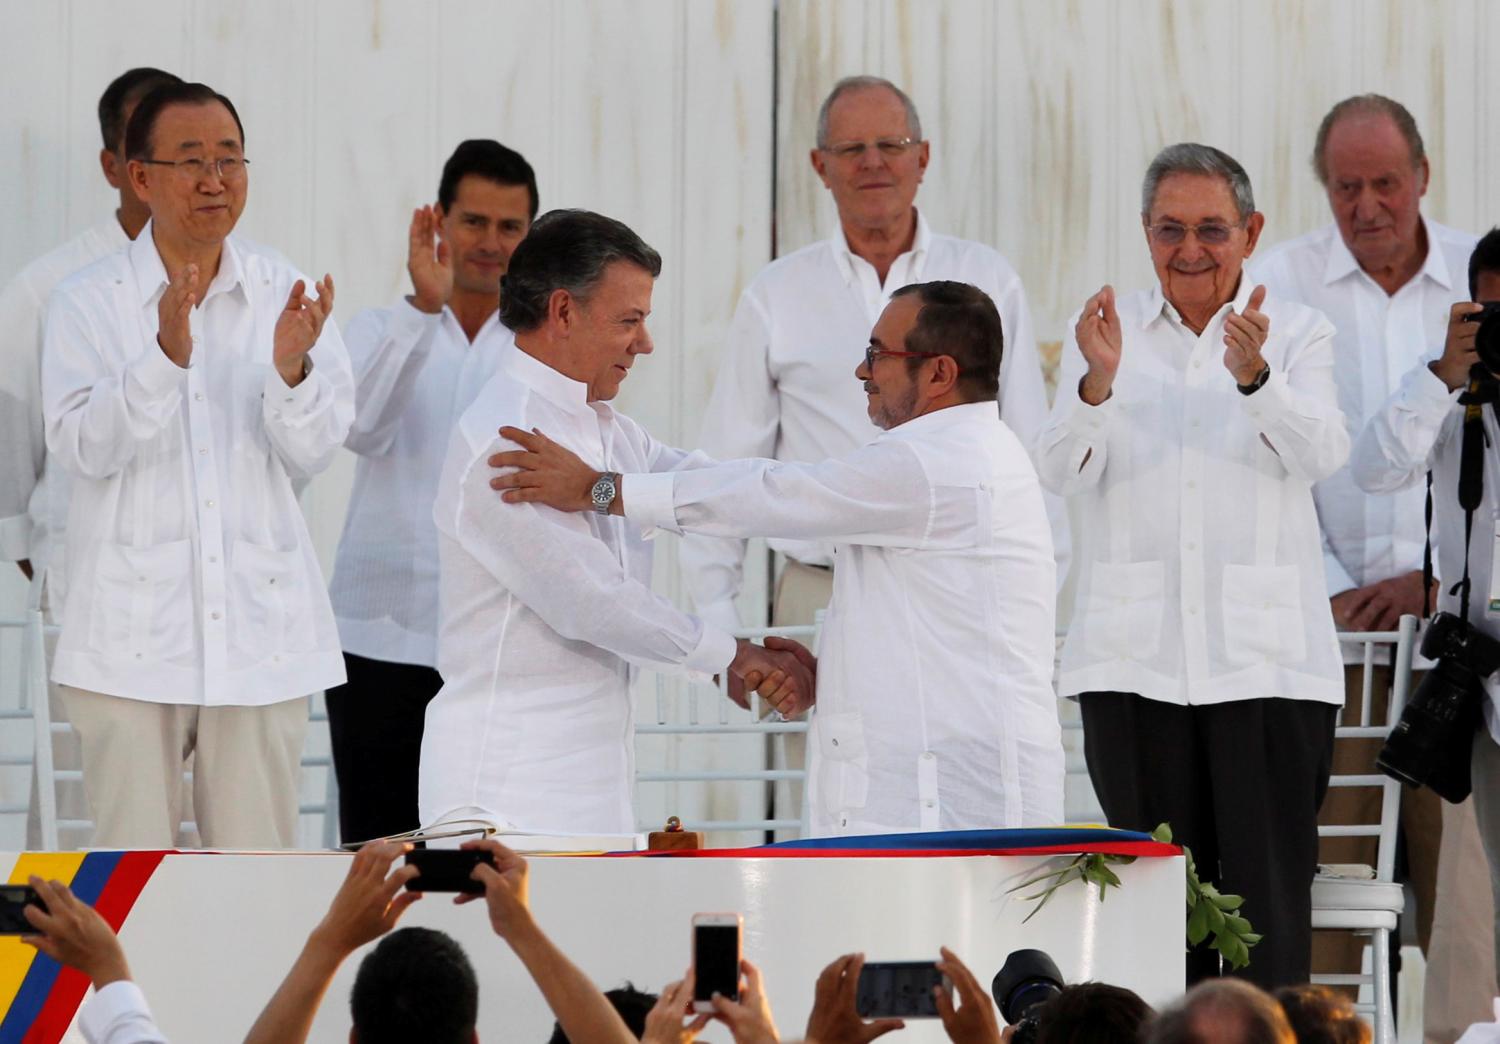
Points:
(1392, 649)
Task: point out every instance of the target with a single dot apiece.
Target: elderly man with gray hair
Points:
(1190, 423)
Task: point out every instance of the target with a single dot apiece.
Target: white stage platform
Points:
(209, 935)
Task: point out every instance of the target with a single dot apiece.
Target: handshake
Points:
(784, 672)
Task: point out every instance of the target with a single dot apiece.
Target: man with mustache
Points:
(1385, 275)
(417, 366)
(934, 704)
(1190, 421)
(783, 389)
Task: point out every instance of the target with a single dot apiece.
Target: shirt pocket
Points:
(270, 599)
(1122, 616)
(1263, 614)
(843, 763)
(143, 606)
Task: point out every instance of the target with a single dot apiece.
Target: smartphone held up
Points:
(716, 958)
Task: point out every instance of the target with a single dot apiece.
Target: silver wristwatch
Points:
(606, 488)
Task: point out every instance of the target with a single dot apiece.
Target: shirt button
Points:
(1191, 546)
(1197, 362)
(835, 743)
(928, 755)
(213, 558)
(929, 803)
(1192, 610)
(271, 581)
(198, 396)
(208, 503)
(214, 615)
(203, 453)
(1192, 484)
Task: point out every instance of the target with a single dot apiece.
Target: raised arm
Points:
(1072, 450)
(308, 402)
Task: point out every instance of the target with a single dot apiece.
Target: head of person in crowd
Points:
(1370, 159)
(116, 105)
(1199, 216)
(186, 150)
(577, 295)
(1093, 1013)
(936, 345)
(1318, 1015)
(486, 202)
(1222, 1011)
(1484, 268)
(870, 152)
(633, 1006)
(417, 984)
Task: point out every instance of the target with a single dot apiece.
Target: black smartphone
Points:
(447, 869)
(898, 990)
(716, 958)
(13, 900)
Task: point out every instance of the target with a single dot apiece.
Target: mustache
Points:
(870, 387)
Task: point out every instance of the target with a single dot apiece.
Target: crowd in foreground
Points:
(417, 984)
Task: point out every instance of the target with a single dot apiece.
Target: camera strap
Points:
(1482, 389)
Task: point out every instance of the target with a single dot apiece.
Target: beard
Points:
(892, 413)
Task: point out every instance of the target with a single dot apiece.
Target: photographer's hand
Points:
(366, 906)
(73, 933)
(1458, 356)
(664, 1023)
(834, 1018)
(973, 1021)
(749, 1020)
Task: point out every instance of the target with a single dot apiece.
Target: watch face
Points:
(604, 492)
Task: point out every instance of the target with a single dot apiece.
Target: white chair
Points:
(1368, 901)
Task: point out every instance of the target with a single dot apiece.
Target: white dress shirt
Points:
(195, 575)
(414, 375)
(786, 387)
(1199, 563)
(34, 496)
(545, 618)
(1421, 428)
(118, 1014)
(1378, 338)
(935, 708)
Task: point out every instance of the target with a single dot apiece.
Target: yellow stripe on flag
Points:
(16, 956)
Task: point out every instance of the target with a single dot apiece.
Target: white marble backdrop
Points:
(691, 120)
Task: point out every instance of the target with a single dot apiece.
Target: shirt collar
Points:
(956, 414)
(151, 274)
(843, 254)
(1341, 262)
(554, 386)
(1157, 305)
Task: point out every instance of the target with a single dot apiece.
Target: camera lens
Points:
(1487, 337)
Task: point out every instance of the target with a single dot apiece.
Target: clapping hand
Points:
(173, 311)
(431, 270)
(298, 328)
(1244, 337)
(1101, 342)
(834, 1018)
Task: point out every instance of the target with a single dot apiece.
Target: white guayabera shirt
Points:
(1200, 576)
(118, 1014)
(786, 387)
(1378, 338)
(546, 616)
(935, 708)
(194, 576)
(1420, 428)
(414, 375)
(34, 491)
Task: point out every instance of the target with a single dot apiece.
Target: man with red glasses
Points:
(1191, 420)
(934, 683)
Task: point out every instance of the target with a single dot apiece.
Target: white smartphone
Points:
(716, 958)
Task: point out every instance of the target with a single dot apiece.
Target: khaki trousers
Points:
(245, 773)
(1461, 957)
(801, 592)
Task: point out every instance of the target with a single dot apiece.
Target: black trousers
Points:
(1240, 783)
(375, 726)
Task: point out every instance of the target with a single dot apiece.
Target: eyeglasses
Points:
(890, 148)
(872, 353)
(229, 168)
(1210, 233)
